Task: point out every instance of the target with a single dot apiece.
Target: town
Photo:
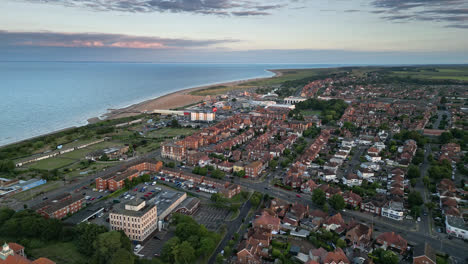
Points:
(353, 165)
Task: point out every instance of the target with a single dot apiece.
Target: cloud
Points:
(207, 7)
(100, 40)
(439, 11)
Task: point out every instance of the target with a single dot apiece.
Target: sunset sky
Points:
(275, 31)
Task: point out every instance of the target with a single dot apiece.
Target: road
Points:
(232, 228)
(414, 233)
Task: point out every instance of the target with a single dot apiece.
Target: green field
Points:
(311, 112)
(52, 163)
(62, 252)
(459, 73)
(170, 132)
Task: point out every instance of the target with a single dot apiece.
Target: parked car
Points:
(298, 196)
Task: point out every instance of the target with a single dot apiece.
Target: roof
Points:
(15, 247)
(43, 261)
(336, 256)
(61, 204)
(424, 250)
(393, 239)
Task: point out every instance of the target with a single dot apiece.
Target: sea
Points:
(37, 98)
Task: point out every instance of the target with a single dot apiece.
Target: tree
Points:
(430, 206)
(426, 181)
(256, 198)
(319, 197)
(340, 243)
(184, 253)
(413, 172)
(7, 166)
(218, 174)
(171, 164)
(145, 178)
(415, 199)
(382, 256)
(122, 256)
(175, 123)
(415, 211)
(337, 202)
(273, 164)
(106, 245)
(87, 234)
(167, 253)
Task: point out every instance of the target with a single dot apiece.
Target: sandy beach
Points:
(170, 101)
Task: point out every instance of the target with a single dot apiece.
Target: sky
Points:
(236, 31)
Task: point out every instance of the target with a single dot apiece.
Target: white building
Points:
(393, 210)
(293, 100)
(456, 226)
(202, 116)
(365, 173)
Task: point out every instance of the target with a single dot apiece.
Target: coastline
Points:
(172, 100)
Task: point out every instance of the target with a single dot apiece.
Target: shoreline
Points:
(171, 100)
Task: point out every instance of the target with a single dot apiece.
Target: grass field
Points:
(65, 252)
(170, 132)
(459, 73)
(311, 112)
(52, 163)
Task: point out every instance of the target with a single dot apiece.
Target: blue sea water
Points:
(41, 97)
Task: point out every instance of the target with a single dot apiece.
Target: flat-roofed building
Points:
(202, 116)
(60, 207)
(136, 218)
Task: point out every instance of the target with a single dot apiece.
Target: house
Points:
(352, 199)
(336, 257)
(424, 254)
(352, 180)
(173, 151)
(335, 223)
(374, 204)
(359, 236)
(253, 169)
(226, 166)
(328, 175)
(308, 186)
(365, 173)
(456, 226)
(393, 210)
(392, 241)
(13, 253)
(267, 221)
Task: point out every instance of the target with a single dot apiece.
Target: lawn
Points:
(52, 163)
(62, 252)
(170, 132)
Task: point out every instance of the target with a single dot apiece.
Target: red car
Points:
(136, 189)
(297, 195)
(92, 199)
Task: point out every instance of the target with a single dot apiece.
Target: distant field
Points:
(287, 75)
(435, 73)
